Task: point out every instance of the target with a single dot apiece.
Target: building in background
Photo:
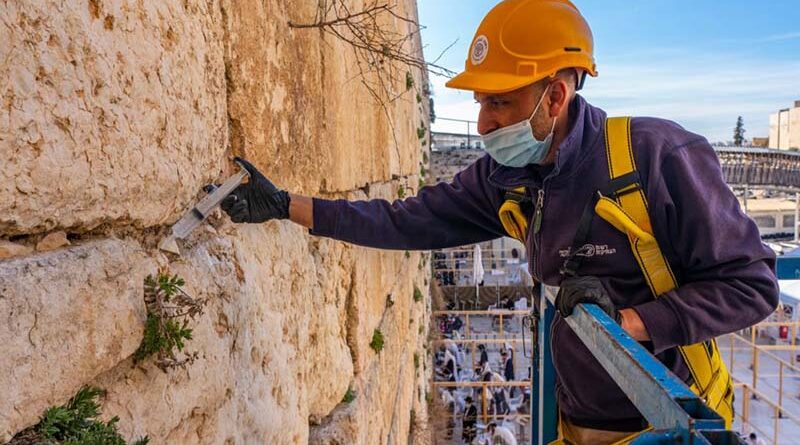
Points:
(784, 128)
(760, 142)
(775, 217)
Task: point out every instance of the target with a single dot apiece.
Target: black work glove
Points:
(256, 201)
(589, 289)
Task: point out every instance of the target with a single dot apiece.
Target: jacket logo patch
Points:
(589, 250)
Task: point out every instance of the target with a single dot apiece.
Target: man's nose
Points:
(486, 122)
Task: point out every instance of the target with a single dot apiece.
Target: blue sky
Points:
(701, 63)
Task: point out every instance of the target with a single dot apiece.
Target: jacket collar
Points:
(587, 126)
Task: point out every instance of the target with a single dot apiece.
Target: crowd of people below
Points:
(507, 407)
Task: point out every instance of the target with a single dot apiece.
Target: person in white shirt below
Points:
(500, 435)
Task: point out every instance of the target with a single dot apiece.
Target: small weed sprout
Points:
(417, 294)
(377, 340)
(349, 396)
(169, 311)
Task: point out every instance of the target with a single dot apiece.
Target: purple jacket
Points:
(725, 273)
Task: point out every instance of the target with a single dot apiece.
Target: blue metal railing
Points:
(677, 415)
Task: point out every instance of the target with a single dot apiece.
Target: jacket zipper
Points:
(537, 225)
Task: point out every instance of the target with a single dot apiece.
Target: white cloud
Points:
(767, 39)
(781, 37)
(704, 94)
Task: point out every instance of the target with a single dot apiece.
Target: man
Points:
(507, 359)
(515, 272)
(499, 394)
(526, 62)
(449, 370)
(484, 357)
(500, 435)
(451, 404)
(469, 420)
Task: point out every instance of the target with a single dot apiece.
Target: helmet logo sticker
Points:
(479, 50)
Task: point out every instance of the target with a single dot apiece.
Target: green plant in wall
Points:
(76, 423)
(401, 191)
(416, 360)
(418, 294)
(169, 312)
(377, 340)
(349, 396)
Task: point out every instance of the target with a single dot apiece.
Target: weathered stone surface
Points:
(65, 317)
(9, 249)
(52, 241)
(113, 111)
(298, 107)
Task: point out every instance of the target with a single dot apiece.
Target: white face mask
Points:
(515, 145)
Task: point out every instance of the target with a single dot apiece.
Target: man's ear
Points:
(558, 94)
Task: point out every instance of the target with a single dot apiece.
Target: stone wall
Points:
(114, 115)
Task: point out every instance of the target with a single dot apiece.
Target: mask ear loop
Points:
(538, 104)
(553, 128)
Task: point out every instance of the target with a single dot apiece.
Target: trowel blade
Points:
(169, 244)
(200, 211)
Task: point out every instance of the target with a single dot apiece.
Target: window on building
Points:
(788, 221)
(766, 222)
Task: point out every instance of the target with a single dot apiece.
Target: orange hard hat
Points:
(522, 41)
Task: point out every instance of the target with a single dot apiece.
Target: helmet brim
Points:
(496, 83)
(490, 82)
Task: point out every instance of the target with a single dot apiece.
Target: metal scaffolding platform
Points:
(676, 414)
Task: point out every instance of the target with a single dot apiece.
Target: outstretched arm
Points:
(444, 215)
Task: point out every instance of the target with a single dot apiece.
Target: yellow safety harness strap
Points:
(511, 215)
(634, 206)
(628, 213)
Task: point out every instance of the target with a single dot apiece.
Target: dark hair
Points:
(468, 399)
(752, 435)
(481, 347)
(491, 425)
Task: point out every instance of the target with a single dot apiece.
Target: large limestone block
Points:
(275, 344)
(298, 107)
(113, 111)
(65, 317)
(190, 405)
(386, 382)
(272, 345)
